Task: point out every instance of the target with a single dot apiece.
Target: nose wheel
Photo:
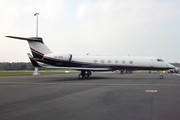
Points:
(161, 76)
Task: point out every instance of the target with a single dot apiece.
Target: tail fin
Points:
(37, 46)
(33, 61)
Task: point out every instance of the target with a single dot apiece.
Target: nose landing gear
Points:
(160, 75)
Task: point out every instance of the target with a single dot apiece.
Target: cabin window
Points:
(95, 61)
(131, 62)
(123, 61)
(116, 61)
(102, 61)
(109, 61)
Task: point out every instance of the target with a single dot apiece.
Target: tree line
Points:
(16, 66)
(176, 64)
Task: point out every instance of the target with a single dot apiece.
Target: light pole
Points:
(36, 68)
(36, 14)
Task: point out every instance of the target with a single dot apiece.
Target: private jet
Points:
(86, 64)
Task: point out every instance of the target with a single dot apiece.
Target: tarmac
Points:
(104, 96)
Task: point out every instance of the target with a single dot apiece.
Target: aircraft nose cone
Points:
(170, 66)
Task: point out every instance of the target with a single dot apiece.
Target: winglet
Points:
(33, 61)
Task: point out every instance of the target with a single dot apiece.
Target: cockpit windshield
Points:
(160, 60)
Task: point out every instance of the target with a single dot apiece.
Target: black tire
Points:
(87, 75)
(80, 76)
(161, 76)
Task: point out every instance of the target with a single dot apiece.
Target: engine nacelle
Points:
(59, 56)
(175, 70)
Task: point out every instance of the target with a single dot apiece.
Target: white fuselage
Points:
(115, 61)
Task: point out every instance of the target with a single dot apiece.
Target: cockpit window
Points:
(160, 60)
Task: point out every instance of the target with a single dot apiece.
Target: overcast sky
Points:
(97, 27)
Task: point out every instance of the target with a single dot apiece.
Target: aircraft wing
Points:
(79, 68)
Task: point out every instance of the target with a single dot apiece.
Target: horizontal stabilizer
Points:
(35, 39)
(33, 61)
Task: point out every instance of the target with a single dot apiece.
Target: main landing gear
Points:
(84, 74)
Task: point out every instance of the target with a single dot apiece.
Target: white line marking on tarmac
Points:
(176, 74)
(151, 90)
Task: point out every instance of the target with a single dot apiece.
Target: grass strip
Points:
(30, 73)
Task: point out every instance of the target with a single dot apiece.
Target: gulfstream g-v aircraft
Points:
(87, 64)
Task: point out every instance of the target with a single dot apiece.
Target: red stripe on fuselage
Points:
(36, 51)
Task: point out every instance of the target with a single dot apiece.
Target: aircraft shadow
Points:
(92, 78)
(77, 79)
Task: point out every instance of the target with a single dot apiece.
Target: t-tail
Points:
(37, 46)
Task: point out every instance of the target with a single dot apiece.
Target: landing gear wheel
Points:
(84, 74)
(161, 76)
(80, 76)
(87, 75)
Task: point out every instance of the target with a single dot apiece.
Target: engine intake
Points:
(175, 70)
(57, 56)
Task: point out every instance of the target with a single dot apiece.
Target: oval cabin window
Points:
(102, 61)
(95, 61)
(131, 62)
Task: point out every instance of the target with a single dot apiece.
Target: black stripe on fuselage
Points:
(137, 68)
(36, 54)
(59, 63)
